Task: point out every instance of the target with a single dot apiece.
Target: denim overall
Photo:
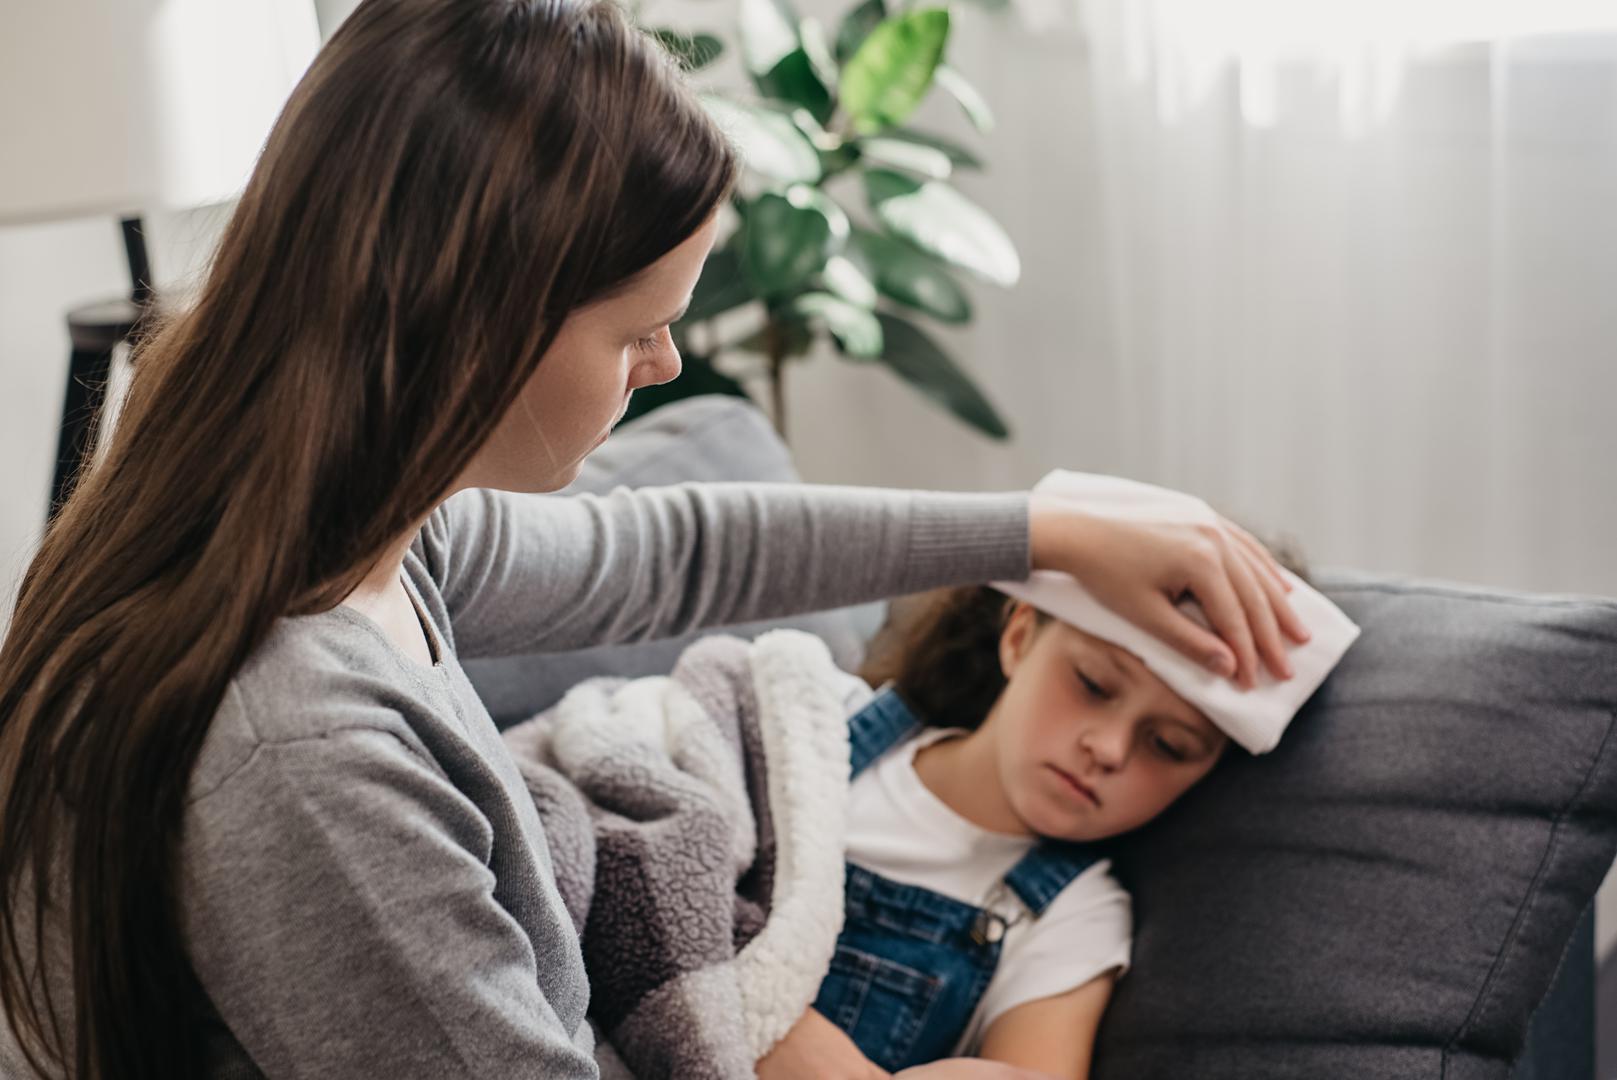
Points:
(911, 964)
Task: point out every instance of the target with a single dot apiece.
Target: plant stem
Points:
(776, 341)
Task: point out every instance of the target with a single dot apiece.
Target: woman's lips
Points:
(1077, 786)
(616, 420)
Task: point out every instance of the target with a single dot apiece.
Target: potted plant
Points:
(846, 224)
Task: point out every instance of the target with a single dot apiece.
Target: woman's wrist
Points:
(955, 538)
(1058, 534)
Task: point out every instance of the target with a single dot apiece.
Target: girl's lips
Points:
(1082, 789)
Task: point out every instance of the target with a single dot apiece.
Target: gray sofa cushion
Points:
(1390, 892)
(700, 438)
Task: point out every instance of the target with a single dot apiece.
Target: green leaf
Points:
(693, 52)
(909, 277)
(919, 361)
(857, 25)
(766, 30)
(886, 79)
(722, 286)
(817, 47)
(786, 330)
(793, 80)
(784, 244)
(697, 376)
(856, 329)
(940, 221)
(958, 155)
(769, 141)
(814, 131)
(909, 156)
(808, 197)
(976, 109)
(844, 277)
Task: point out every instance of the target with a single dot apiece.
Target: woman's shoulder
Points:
(313, 677)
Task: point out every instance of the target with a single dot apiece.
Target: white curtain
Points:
(1347, 268)
(1363, 272)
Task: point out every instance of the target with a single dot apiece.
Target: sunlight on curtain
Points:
(1347, 269)
(1360, 271)
(1366, 45)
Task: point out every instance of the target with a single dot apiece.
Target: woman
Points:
(255, 820)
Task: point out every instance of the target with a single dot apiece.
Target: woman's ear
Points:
(1017, 638)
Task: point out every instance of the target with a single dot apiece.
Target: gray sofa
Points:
(1403, 889)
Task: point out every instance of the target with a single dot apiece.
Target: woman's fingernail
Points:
(1220, 664)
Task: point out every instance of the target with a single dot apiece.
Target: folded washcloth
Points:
(1254, 718)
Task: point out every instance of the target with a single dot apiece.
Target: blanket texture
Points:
(695, 824)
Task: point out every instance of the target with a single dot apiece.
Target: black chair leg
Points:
(87, 374)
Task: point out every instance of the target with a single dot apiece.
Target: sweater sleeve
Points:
(341, 917)
(538, 573)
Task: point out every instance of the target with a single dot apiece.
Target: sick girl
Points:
(1009, 736)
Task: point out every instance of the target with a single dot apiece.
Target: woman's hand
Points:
(816, 1049)
(1141, 570)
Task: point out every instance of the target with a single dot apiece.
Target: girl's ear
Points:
(1017, 637)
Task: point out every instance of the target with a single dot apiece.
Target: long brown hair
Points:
(940, 650)
(450, 179)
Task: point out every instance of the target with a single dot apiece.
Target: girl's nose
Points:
(1108, 743)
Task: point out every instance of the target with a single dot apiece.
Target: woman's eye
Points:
(649, 344)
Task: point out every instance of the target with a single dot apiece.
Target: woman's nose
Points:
(662, 367)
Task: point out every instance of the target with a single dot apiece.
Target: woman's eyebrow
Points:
(674, 318)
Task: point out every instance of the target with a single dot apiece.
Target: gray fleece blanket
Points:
(695, 824)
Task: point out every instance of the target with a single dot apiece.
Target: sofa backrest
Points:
(1390, 892)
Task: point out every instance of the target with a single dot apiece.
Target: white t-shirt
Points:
(900, 830)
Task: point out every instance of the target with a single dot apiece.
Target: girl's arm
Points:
(1053, 1035)
(816, 1049)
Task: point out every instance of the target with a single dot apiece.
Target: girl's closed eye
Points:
(649, 344)
(1095, 689)
(1167, 749)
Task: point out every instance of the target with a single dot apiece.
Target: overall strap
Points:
(1047, 868)
(878, 727)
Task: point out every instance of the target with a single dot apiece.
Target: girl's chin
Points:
(1057, 820)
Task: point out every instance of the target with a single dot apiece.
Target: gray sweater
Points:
(366, 886)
